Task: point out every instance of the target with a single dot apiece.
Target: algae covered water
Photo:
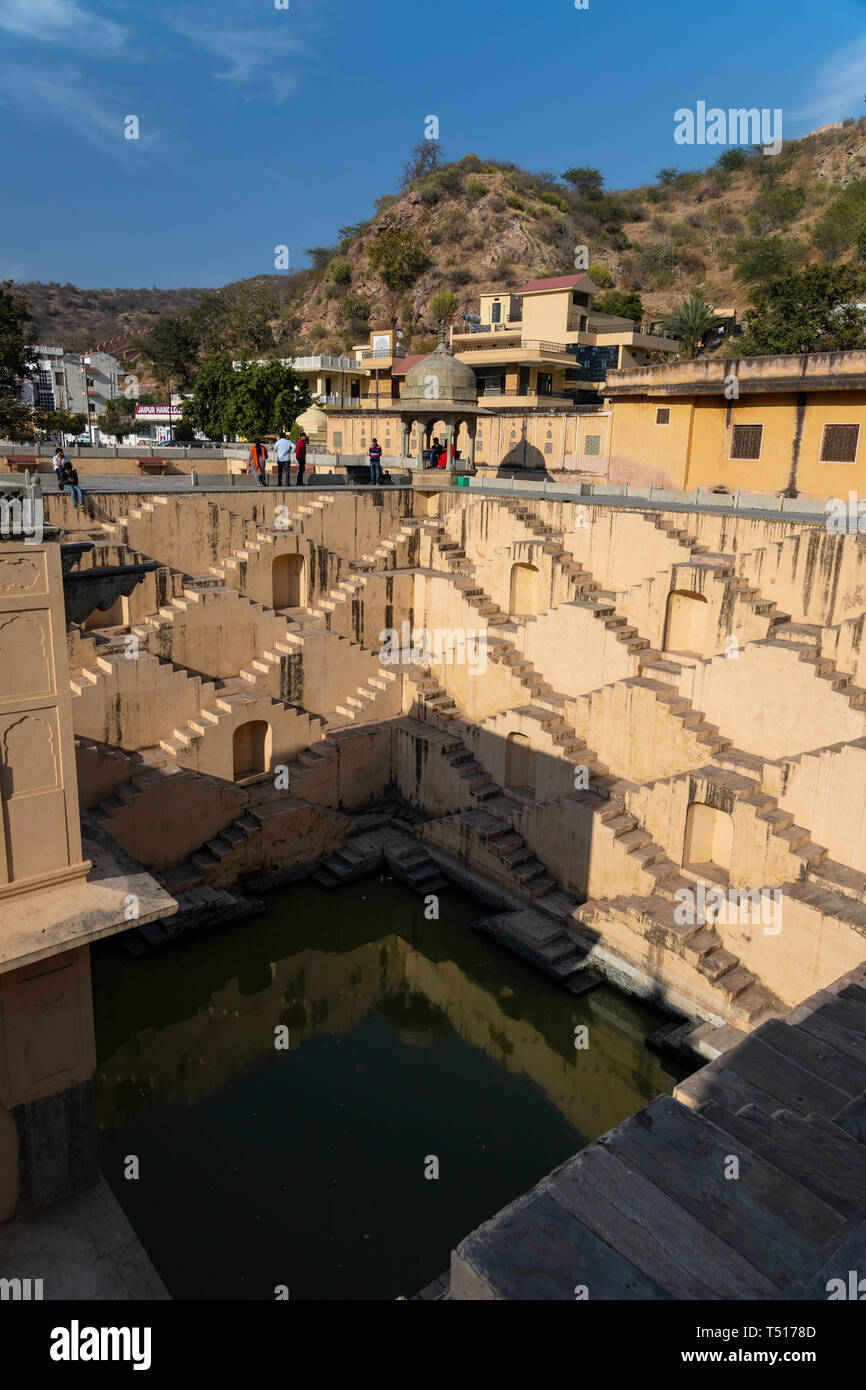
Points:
(429, 1078)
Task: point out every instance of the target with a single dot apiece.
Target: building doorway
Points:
(709, 839)
(686, 622)
(518, 763)
(251, 748)
(287, 576)
(523, 601)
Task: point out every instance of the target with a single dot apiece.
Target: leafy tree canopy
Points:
(253, 401)
(584, 180)
(399, 256)
(808, 310)
(624, 304)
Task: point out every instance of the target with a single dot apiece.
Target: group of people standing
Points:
(67, 476)
(286, 453)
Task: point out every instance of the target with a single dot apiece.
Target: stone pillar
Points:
(404, 441)
(472, 427)
(449, 440)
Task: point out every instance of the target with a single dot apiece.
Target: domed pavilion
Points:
(440, 388)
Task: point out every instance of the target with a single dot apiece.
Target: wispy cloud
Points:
(266, 52)
(840, 86)
(58, 21)
(70, 97)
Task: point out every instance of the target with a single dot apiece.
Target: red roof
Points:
(403, 364)
(560, 282)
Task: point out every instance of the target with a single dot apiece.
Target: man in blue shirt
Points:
(284, 450)
(375, 461)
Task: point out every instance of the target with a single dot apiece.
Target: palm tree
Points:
(691, 322)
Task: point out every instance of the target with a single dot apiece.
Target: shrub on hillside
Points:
(512, 201)
(600, 275)
(758, 259)
(476, 188)
(399, 256)
(341, 272)
(843, 226)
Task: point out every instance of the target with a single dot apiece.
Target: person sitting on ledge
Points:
(432, 453)
(69, 483)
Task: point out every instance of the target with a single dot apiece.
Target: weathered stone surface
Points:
(654, 1232)
(773, 1222)
(535, 1249)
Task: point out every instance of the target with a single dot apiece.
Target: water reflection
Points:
(408, 1037)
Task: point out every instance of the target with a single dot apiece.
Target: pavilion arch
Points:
(519, 770)
(709, 837)
(287, 577)
(686, 622)
(251, 748)
(523, 598)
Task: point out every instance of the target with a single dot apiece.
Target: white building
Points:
(79, 383)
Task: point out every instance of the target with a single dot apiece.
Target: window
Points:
(327, 386)
(839, 444)
(663, 415)
(545, 383)
(592, 445)
(495, 313)
(746, 441)
(548, 448)
(338, 440)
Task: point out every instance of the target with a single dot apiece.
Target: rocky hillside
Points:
(77, 319)
(474, 225)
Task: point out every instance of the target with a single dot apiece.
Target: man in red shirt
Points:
(301, 457)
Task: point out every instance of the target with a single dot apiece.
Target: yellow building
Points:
(762, 424)
(544, 344)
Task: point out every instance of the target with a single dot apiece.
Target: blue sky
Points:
(261, 126)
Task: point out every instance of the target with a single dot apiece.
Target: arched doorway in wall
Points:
(523, 600)
(709, 838)
(287, 575)
(518, 762)
(686, 622)
(251, 748)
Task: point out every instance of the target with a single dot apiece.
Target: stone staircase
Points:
(805, 640)
(648, 1210)
(740, 997)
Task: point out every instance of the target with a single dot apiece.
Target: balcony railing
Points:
(384, 352)
(531, 344)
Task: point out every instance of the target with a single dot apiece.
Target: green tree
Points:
(443, 307)
(842, 227)
(623, 304)
(690, 322)
(731, 160)
(808, 310)
(667, 175)
(600, 275)
(589, 183)
(254, 400)
(61, 421)
(170, 349)
(118, 417)
(759, 259)
(399, 256)
(17, 361)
